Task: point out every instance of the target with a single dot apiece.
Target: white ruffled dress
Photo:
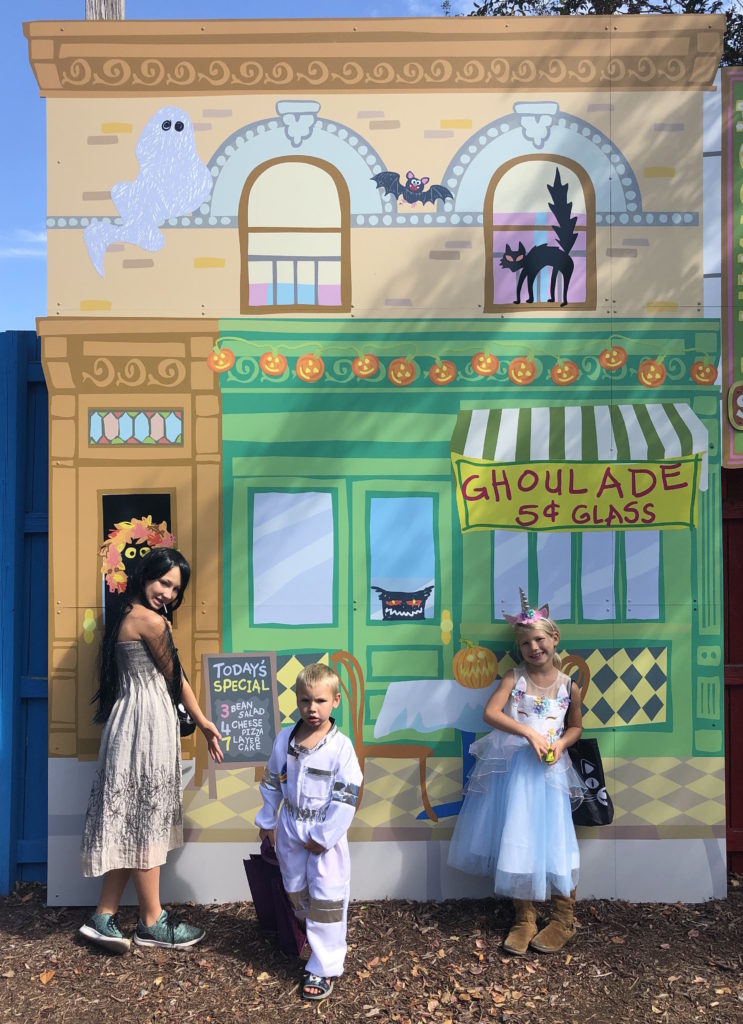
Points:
(516, 823)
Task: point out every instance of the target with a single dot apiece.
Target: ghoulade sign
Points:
(581, 468)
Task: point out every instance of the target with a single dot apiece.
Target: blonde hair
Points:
(316, 673)
(546, 625)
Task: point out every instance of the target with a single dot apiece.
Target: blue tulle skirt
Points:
(516, 824)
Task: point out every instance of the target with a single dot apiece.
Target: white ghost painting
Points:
(172, 182)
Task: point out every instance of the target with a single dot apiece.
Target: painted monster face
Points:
(403, 605)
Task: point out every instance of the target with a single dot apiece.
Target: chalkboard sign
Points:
(243, 704)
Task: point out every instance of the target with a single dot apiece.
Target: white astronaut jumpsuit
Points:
(320, 790)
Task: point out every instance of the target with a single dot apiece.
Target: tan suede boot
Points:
(561, 926)
(524, 927)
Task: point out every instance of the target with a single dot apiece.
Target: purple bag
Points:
(272, 906)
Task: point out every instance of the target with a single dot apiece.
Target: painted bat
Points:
(413, 191)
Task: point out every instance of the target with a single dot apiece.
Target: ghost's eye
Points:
(179, 126)
(166, 126)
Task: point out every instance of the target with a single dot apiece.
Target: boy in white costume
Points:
(313, 769)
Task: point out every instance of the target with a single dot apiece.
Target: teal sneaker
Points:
(169, 933)
(103, 930)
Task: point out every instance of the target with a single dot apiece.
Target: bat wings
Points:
(413, 191)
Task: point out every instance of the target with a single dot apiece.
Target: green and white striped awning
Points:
(582, 433)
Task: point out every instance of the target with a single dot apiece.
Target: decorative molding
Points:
(668, 52)
(299, 118)
(604, 218)
(536, 121)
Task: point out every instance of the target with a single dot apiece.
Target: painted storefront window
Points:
(403, 558)
(293, 558)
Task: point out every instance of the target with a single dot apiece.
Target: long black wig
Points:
(152, 566)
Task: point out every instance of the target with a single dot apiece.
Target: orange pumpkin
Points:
(522, 370)
(485, 364)
(310, 368)
(651, 373)
(703, 373)
(402, 372)
(565, 373)
(273, 364)
(220, 360)
(365, 366)
(475, 667)
(442, 372)
(613, 358)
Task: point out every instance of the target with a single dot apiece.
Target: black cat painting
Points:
(528, 265)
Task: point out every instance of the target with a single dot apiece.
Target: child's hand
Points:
(212, 736)
(540, 744)
(313, 846)
(269, 834)
(557, 751)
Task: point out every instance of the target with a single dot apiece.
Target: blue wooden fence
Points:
(24, 607)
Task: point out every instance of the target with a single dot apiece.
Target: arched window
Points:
(540, 217)
(294, 238)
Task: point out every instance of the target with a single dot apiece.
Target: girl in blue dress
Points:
(516, 822)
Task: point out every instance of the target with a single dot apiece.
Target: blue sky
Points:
(23, 169)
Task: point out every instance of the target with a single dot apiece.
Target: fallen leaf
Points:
(263, 976)
(158, 980)
(374, 962)
(432, 1004)
(617, 940)
(46, 976)
(9, 974)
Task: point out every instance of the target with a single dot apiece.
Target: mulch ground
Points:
(407, 962)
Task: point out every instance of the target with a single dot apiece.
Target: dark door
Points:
(732, 540)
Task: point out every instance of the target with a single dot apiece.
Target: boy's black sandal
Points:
(325, 986)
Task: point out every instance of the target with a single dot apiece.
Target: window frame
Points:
(245, 231)
(589, 197)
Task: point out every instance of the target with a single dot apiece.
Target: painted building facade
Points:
(383, 321)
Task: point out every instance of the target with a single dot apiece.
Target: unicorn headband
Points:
(527, 615)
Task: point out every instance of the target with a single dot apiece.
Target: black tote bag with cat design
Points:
(596, 807)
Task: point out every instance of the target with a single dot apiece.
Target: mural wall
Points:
(380, 336)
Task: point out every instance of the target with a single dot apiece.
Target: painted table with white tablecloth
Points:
(428, 705)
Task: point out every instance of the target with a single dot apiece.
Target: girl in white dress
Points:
(135, 811)
(516, 821)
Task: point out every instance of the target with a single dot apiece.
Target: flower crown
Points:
(527, 615)
(141, 534)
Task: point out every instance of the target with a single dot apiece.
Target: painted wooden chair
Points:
(352, 683)
(576, 667)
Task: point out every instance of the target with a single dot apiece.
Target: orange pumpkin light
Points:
(651, 373)
(402, 372)
(565, 373)
(220, 360)
(365, 366)
(613, 358)
(485, 364)
(310, 368)
(703, 373)
(474, 667)
(273, 364)
(442, 372)
(522, 370)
